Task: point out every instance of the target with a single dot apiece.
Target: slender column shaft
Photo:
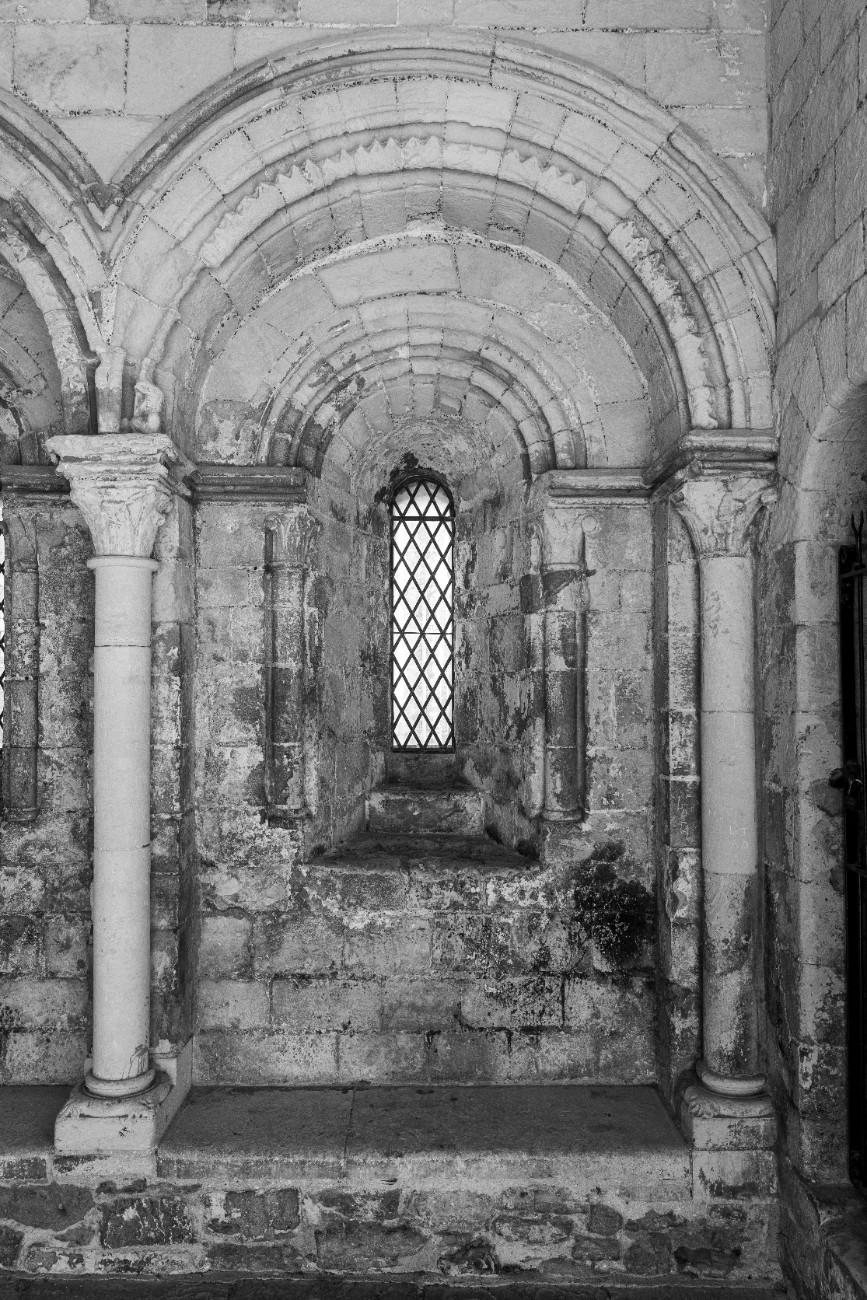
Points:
(719, 510)
(561, 712)
(729, 816)
(121, 825)
(123, 486)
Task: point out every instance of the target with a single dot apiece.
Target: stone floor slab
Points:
(584, 1136)
(258, 1132)
(466, 1135)
(27, 1115)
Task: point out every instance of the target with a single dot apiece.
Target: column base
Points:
(733, 1143)
(89, 1125)
(119, 1088)
(728, 1085)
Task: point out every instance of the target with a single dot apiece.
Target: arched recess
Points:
(30, 383)
(822, 485)
(49, 240)
(328, 150)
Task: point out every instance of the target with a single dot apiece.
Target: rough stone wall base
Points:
(139, 1226)
(823, 1238)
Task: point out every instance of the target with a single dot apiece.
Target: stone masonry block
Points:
(20, 945)
(251, 11)
(421, 1004)
(314, 1004)
(530, 1003)
(10, 1244)
(224, 946)
(67, 940)
(226, 1003)
(168, 65)
(698, 68)
(67, 69)
(253, 1214)
(48, 1206)
(738, 1175)
(394, 1056)
(400, 944)
(265, 1057)
(143, 11)
(145, 1221)
(287, 945)
(43, 1004)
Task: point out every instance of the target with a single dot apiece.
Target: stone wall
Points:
(817, 196)
(109, 71)
(420, 967)
(510, 355)
(45, 863)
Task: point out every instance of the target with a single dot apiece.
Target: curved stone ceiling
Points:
(302, 156)
(406, 326)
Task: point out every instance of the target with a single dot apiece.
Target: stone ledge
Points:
(564, 1184)
(438, 1134)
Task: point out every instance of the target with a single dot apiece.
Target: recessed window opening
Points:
(422, 617)
(2, 628)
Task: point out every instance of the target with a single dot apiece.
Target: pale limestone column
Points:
(123, 487)
(719, 512)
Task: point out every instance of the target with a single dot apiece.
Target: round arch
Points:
(329, 149)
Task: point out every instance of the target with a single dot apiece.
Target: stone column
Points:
(123, 487)
(719, 511)
(287, 558)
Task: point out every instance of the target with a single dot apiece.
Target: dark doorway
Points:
(851, 779)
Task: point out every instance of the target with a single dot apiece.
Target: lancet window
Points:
(422, 616)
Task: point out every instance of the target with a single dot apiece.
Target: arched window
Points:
(422, 617)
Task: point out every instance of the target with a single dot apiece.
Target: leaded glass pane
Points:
(422, 617)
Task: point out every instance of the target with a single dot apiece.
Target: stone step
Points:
(565, 1182)
(562, 1183)
(455, 808)
(458, 1137)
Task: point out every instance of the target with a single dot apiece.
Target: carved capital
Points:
(295, 536)
(719, 510)
(123, 485)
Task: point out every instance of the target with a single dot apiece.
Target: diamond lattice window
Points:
(422, 617)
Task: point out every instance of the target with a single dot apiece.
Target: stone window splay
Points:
(2, 630)
(422, 617)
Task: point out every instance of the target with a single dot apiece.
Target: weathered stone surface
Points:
(10, 1241)
(52, 1206)
(254, 1214)
(145, 1221)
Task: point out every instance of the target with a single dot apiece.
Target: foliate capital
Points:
(720, 509)
(123, 485)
